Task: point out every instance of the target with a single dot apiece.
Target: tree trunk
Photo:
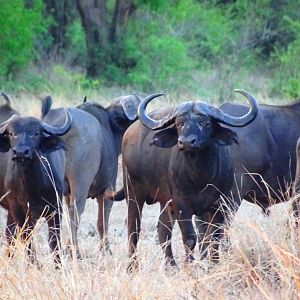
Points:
(63, 13)
(122, 13)
(93, 18)
(103, 36)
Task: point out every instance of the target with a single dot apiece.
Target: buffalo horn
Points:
(4, 124)
(224, 118)
(6, 97)
(53, 130)
(165, 121)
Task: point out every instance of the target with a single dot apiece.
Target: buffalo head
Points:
(123, 111)
(195, 125)
(24, 136)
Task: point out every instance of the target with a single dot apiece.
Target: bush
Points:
(19, 27)
(76, 52)
(159, 55)
(287, 76)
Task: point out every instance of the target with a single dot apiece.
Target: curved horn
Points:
(4, 124)
(165, 121)
(224, 118)
(7, 99)
(52, 130)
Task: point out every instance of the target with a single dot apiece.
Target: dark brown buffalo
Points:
(34, 175)
(190, 157)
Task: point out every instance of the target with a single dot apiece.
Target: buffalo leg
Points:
(204, 231)
(54, 235)
(76, 208)
(27, 226)
(185, 223)
(217, 233)
(134, 227)
(104, 209)
(164, 229)
(26, 236)
(10, 231)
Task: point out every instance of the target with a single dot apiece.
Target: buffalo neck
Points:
(31, 174)
(118, 137)
(110, 134)
(202, 167)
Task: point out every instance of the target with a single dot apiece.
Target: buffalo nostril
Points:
(193, 141)
(21, 151)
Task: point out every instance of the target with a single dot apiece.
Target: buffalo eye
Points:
(205, 124)
(12, 135)
(179, 125)
(34, 134)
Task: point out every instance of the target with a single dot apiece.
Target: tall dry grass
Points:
(259, 260)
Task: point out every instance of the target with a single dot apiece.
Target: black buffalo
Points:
(187, 160)
(33, 180)
(94, 144)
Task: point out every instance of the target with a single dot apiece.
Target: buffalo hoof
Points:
(105, 249)
(190, 244)
(78, 255)
(190, 258)
(214, 256)
(133, 266)
(34, 262)
(170, 264)
(72, 252)
(204, 254)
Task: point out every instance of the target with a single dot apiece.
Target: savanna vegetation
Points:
(184, 47)
(189, 49)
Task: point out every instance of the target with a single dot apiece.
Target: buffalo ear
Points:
(130, 106)
(4, 143)
(225, 136)
(51, 143)
(165, 138)
(123, 111)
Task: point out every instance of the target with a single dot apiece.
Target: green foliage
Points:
(160, 60)
(211, 46)
(287, 79)
(18, 29)
(76, 52)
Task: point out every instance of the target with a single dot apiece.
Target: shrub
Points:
(287, 76)
(19, 27)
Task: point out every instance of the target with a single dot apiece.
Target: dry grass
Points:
(260, 260)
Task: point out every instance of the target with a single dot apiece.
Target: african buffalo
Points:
(94, 144)
(185, 160)
(34, 176)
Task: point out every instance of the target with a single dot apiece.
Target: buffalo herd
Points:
(194, 160)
